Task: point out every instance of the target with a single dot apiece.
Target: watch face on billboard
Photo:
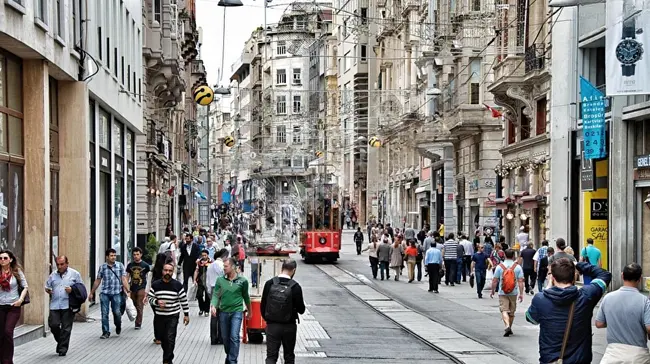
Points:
(599, 209)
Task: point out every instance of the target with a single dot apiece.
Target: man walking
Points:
(384, 251)
(509, 277)
(112, 277)
(468, 252)
(591, 255)
(527, 261)
(137, 272)
(433, 261)
(282, 302)
(480, 264)
(215, 270)
(450, 254)
(560, 243)
(189, 255)
(358, 240)
(229, 296)
(563, 307)
(59, 286)
(167, 297)
(542, 268)
(626, 315)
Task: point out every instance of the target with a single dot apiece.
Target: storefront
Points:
(112, 186)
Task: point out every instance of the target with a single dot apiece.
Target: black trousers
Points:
(467, 266)
(359, 247)
(167, 326)
(434, 279)
(374, 263)
(450, 270)
(187, 274)
(418, 266)
(215, 334)
(281, 335)
(203, 298)
(60, 322)
(530, 277)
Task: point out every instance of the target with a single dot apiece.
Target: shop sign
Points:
(491, 221)
(491, 200)
(596, 212)
(642, 161)
(473, 185)
(587, 173)
(599, 209)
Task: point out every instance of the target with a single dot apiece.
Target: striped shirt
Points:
(451, 249)
(172, 293)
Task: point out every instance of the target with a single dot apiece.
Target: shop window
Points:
(12, 192)
(117, 138)
(117, 216)
(104, 129)
(54, 218)
(129, 145)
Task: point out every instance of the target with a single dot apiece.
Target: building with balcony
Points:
(521, 86)
(69, 113)
(168, 150)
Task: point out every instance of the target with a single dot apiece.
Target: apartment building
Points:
(521, 86)
(72, 86)
(220, 158)
(168, 150)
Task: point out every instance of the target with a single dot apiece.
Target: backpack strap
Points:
(512, 267)
(503, 267)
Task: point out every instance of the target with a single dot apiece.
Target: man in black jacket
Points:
(189, 255)
(358, 240)
(281, 303)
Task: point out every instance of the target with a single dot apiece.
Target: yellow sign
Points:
(595, 214)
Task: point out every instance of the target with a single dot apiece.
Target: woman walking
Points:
(396, 259)
(411, 253)
(372, 255)
(13, 290)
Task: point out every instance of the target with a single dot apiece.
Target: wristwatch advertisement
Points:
(627, 66)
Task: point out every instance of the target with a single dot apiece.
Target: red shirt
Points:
(412, 251)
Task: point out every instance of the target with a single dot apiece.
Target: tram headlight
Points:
(322, 240)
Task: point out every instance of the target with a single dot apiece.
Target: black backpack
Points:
(279, 307)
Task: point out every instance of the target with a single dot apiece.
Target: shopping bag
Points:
(191, 291)
(131, 311)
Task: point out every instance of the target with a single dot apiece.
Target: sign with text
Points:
(587, 175)
(593, 120)
(595, 213)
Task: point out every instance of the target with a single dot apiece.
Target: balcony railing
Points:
(534, 57)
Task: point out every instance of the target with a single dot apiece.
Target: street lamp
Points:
(230, 3)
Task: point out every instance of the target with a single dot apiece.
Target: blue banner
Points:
(593, 120)
(225, 197)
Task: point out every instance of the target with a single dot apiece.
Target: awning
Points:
(421, 189)
(502, 203)
(532, 202)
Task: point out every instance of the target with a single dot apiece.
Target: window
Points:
(475, 81)
(76, 23)
(281, 105)
(364, 53)
(345, 62)
(157, 11)
(297, 137)
(296, 76)
(40, 8)
(540, 117)
(476, 5)
(525, 126)
(297, 104)
(117, 138)
(281, 48)
(129, 145)
(511, 132)
(281, 77)
(58, 13)
(364, 15)
(281, 134)
(475, 156)
(104, 129)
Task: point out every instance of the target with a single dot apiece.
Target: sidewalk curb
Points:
(400, 325)
(406, 305)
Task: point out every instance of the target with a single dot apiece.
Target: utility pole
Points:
(207, 127)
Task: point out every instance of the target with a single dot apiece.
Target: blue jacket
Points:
(550, 309)
(77, 297)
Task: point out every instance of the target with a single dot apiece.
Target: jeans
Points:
(281, 335)
(114, 300)
(418, 265)
(434, 276)
(467, 266)
(137, 298)
(479, 275)
(230, 324)
(60, 323)
(383, 266)
(9, 317)
(529, 279)
(256, 269)
(167, 327)
(450, 268)
(541, 281)
(459, 269)
(373, 266)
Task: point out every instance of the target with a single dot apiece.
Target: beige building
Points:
(70, 110)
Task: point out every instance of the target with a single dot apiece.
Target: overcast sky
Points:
(240, 23)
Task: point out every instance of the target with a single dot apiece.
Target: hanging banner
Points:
(593, 120)
(627, 64)
(596, 212)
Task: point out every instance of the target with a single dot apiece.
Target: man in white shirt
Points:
(522, 238)
(215, 270)
(468, 248)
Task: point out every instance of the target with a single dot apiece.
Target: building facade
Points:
(73, 86)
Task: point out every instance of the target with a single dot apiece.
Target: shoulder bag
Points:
(566, 334)
(27, 300)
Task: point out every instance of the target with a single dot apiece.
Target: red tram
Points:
(320, 239)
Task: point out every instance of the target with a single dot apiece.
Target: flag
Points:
(170, 191)
(495, 113)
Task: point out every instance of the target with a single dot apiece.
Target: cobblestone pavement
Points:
(459, 308)
(337, 328)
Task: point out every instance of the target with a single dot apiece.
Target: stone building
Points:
(70, 109)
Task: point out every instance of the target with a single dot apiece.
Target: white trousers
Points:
(625, 354)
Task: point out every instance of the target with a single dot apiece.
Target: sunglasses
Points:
(4, 258)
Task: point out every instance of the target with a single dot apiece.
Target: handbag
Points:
(26, 300)
(566, 334)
